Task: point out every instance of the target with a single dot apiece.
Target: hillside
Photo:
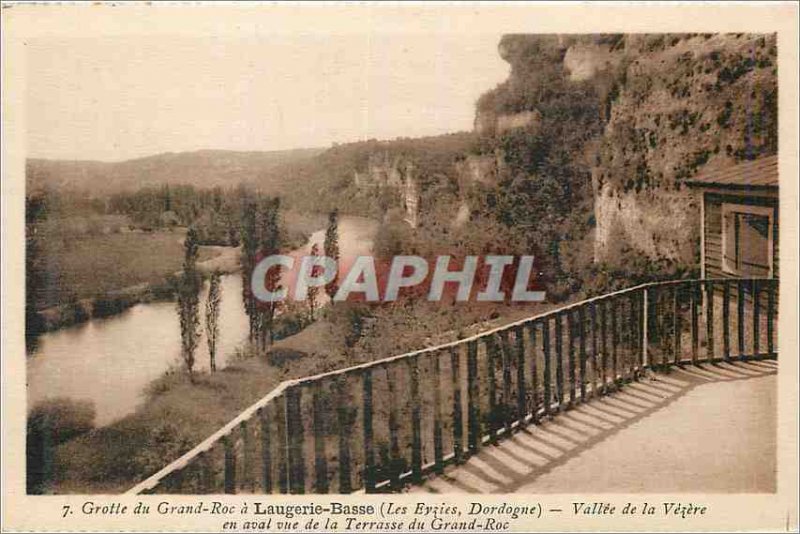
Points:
(202, 168)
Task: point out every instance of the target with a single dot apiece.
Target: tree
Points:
(212, 317)
(270, 240)
(313, 290)
(36, 208)
(331, 247)
(248, 260)
(189, 302)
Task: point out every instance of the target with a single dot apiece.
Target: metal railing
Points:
(375, 426)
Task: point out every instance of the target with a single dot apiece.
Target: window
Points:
(747, 240)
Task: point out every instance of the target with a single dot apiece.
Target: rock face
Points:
(383, 170)
(585, 61)
(394, 172)
(482, 169)
(682, 103)
(670, 105)
(487, 123)
(658, 224)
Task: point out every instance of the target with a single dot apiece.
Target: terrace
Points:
(666, 386)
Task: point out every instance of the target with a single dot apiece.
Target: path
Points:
(707, 428)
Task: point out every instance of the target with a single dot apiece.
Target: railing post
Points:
(756, 320)
(695, 293)
(438, 448)
(491, 349)
(582, 350)
(614, 341)
(559, 362)
(642, 331)
(633, 338)
(369, 452)
(548, 393)
(771, 318)
(458, 422)
(473, 410)
(534, 376)
(343, 416)
(247, 463)
(726, 321)
(522, 393)
(266, 452)
(416, 422)
(206, 471)
(653, 324)
(595, 373)
(709, 320)
(740, 291)
(294, 431)
(604, 343)
(229, 442)
(571, 356)
(281, 445)
(505, 348)
(676, 323)
(394, 445)
(320, 456)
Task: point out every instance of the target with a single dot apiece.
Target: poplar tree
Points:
(249, 242)
(270, 242)
(189, 302)
(311, 299)
(212, 317)
(331, 247)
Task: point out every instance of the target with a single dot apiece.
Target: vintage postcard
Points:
(354, 267)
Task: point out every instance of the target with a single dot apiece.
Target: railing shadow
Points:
(537, 450)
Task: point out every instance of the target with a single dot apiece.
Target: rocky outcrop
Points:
(585, 61)
(661, 225)
(482, 169)
(395, 172)
(683, 103)
(383, 170)
(487, 123)
(670, 105)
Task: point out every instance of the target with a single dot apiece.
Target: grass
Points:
(93, 265)
(178, 414)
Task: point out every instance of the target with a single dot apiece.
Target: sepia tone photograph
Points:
(414, 264)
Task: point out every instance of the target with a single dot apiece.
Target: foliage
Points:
(270, 244)
(261, 236)
(331, 247)
(545, 180)
(50, 423)
(212, 317)
(188, 304)
(313, 291)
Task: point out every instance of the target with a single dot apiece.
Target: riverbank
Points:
(107, 274)
(222, 259)
(177, 414)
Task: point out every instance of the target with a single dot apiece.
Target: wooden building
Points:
(739, 217)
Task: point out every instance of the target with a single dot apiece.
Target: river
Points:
(110, 361)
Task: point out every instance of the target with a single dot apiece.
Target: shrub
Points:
(50, 423)
(109, 305)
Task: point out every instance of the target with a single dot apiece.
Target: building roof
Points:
(762, 172)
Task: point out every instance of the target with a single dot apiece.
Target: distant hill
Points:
(202, 168)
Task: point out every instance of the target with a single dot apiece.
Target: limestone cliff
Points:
(667, 106)
(680, 104)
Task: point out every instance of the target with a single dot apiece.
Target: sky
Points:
(117, 98)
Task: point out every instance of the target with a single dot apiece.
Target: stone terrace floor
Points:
(707, 428)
